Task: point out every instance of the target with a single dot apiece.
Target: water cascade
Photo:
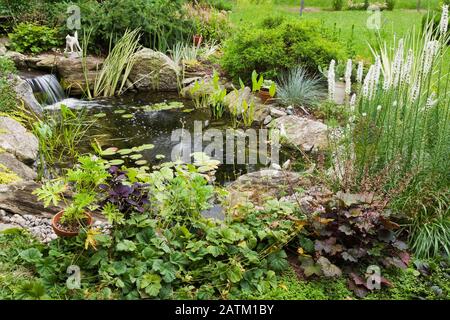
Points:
(47, 89)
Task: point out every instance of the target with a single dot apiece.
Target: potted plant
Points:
(268, 90)
(84, 181)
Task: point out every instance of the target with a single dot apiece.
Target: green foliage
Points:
(84, 180)
(390, 4)
(212, 24)
(8, 99)
(337, 5)
(28, 37)
(61, 135)
(162, 23)
(170, 250)
(398, 138)
(272, 50)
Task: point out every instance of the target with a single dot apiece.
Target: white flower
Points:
(415, 90)
(407, 69)
(348, 77)
(394, 104)
(444, 20)
(398, 62)
(430, 51)
(366, 90)
(431, 101)
(331, 80)
(379, 108)
(353, 102)
(364, 114)
(359, 72)
(377, 72)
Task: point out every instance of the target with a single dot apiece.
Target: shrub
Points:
(162, 23)
(390, 4)
(337, 5)
(272, 50)
(28, 37)
(209, 22)
(297, 89)
(7, 96)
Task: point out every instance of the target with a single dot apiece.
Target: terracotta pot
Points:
(63, 233)
(264, 95)
(197, 39)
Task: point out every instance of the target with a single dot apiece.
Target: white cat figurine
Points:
(72, 43)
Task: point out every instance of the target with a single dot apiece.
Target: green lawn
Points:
(400, 4)
(393, 23)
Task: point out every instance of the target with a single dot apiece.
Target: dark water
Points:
(133, 126)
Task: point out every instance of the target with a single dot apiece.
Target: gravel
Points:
(39, 227)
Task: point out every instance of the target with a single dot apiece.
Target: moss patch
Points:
(7, 176)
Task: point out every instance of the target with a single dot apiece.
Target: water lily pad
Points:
(136, 156)
(125, 151)
(160, 156)
(141, 162)
(188, 110)
(148, 146)
(119, 111)
(110, 151)
(127, 116)
(100, 115)
(116, 162)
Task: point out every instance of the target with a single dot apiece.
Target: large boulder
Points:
(16, 140)
(257, 187)
(154, 71)
(306, 134)
(10, 163)
(25, 95)
(71, 71)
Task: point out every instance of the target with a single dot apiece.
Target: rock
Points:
(154, 71)
(216, 212)
(72, 75)
(18, 198)
(14, 165)
(24, 93)
(267, 120)
(304, 133)
(339, 93)
(235, 98)
(290, 110)
(15, 139)
(6, 226)
(2, 49)
(259, 186)
(20, 60)
(206, 89)
(277, 113)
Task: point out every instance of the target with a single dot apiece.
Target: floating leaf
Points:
(119, 111)
(110, 151)
(125, 151)
(100, 115)
(141, 162)
(160, 156)
(136, 156)
(116, 162)
(127, 116)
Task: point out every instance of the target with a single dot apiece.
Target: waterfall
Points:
(47, 89)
